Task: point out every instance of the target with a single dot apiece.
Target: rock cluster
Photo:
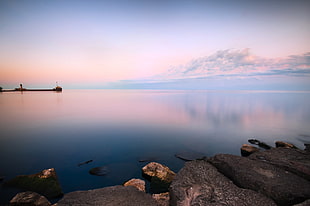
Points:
(274, 176)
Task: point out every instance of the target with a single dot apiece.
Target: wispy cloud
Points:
(240, 63)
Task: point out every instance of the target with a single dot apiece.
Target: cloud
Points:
(239, 64)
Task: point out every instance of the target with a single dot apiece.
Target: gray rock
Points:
(199, 183)
(29, 199)
(259, 143)
(108, 196)
(284, 187)
(294, 160)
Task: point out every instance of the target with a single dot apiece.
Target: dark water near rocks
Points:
(117, 128)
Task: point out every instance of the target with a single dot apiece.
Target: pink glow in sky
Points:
(89, 44)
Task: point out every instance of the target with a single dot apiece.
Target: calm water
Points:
(116, 128)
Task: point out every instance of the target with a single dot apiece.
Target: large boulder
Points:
(108, 196)
(199, 183)
(282, 186)
(29, 199)
(44, 182)
(293, 160)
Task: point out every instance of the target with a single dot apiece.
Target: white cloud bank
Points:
(231, 69)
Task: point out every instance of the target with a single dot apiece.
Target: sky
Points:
(163, 44)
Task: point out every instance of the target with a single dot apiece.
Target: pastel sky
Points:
(162, 44)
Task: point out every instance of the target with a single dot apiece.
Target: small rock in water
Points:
(99, 171)
(189, 156)
(148, 159)
(259, 143)
(246, 150)
(86, 162)
(285, 145)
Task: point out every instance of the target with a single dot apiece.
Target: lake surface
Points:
(117, 128)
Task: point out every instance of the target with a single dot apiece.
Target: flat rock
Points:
(199, 183)
(284, 187)
(137, 183)
(108, 196)
(259, 143)
(29, 199)
(246, 150)
(293, 160)
(99, 171)
(44, 182)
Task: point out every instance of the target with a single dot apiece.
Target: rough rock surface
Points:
(293, 160)
(246, 150)
(199, 183)
(44, 182)
(282, 186)
(137, 183)
(154, 169)
(108, 196)
(29, 199)
(305, 203)
(162, 199)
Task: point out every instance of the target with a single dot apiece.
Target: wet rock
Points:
(29, 199)
(162, 172)
(293, 160)
(108, 196)
(284, 187)
(246, 150)
(84, 163)
(259, 143)
(285, 145)
(162, 199)
(99, 171)
(189, 156)
(148, 159)
(137, 183)
(199, 183)
(44, 182)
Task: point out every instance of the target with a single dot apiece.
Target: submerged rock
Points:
(294, 160)
(29, 199)
(246, 150)
(108, 196)
(137, 183)
(259, 143)
(284, 187)
(189, 156)
(44, 182)
(84, 163)
(199, 183)
(99, 171)
(285, 145)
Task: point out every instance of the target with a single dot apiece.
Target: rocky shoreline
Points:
(263, 175)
